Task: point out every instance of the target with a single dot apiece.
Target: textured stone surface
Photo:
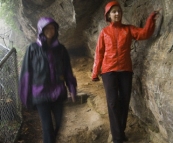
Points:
(152, 62)
(73, 16)
(80, 23)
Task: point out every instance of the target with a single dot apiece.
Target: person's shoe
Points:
(117, 141)
(125, 138)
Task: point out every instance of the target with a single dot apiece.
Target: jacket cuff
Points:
(94, 76)
(152, 16)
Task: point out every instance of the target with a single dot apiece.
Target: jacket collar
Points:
(117, 24)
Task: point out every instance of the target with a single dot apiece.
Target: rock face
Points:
(152, 62)
(80, 23)
(73, 16)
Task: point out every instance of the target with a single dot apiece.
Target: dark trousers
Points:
(118, 91)
(46, 112)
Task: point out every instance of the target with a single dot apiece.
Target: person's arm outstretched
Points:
(147, 30)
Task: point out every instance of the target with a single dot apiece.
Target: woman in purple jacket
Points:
(46, 74)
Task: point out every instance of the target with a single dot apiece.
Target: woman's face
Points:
(115, 14)
(49, 31)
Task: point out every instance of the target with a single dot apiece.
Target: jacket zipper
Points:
(116, 40)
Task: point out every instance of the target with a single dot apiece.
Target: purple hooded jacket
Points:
(46, 71)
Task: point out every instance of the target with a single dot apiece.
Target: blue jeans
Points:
(118, 91)
(46, 111)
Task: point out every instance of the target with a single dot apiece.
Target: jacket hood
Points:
(109, 6)
(43, 22)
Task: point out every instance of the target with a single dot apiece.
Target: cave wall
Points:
(73, 16)
(152, 95)
(80, 23)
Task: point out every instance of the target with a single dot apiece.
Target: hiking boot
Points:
(117, 141)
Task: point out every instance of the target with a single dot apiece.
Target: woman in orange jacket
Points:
(112, 57)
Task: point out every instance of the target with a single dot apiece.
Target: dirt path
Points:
(85, 121)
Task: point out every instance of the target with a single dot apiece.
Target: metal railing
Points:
(10, 106)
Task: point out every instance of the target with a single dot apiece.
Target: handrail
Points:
(4, 47)
(6, 56)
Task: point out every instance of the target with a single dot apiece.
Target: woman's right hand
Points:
(95, 79)
(73, 97)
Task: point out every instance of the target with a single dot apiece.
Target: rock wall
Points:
(73, 16)
(152, 95)
(80, 23)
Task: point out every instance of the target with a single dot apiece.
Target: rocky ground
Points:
(86, 120)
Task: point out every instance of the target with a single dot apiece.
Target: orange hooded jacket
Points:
(113, 46)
